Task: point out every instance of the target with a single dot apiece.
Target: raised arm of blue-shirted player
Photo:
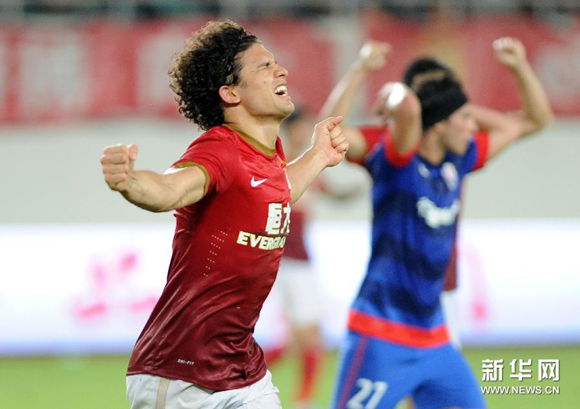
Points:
(505, 128)
(372, 56)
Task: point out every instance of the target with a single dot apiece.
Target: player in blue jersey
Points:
(429, 139)
(418, 72)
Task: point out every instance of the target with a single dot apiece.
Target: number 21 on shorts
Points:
(369, 395)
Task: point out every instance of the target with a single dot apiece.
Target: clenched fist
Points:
(329, 138)
(373, 55)
(510, 52)
(117, 163)
(397, 98)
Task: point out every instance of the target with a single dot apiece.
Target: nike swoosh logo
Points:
(256, 183)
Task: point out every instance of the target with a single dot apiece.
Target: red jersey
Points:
(226, 252)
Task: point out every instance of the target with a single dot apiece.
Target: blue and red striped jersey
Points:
(415, 210)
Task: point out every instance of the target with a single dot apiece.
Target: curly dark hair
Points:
(208, 61)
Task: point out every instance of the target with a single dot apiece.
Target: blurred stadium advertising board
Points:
(466, 45)
(105, 68)
(90, 288)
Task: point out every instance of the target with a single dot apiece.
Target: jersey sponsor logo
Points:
(450, 176)
(256, 183)
(262, 242)
(423, 171)
(436, 217)
(277, 228)
(278, 221)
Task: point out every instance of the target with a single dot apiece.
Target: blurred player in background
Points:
(428, 140)
(231, 192)
(297, 288)
(417, 73)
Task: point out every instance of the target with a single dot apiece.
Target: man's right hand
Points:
(328, 139)
(117, 163)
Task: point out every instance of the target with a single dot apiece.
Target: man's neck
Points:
(263, 130)
(431, 148)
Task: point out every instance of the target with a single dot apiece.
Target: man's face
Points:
(263, 84)
(458, 130)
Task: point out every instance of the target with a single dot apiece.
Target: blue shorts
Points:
(375, 374)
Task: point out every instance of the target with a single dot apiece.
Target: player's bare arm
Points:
(536, 111)
(400, 104)
(372, 56)
(176, 188)
(329, 147)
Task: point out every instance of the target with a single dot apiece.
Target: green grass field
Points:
(98, 382)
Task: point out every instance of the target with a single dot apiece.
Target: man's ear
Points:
(228, 94)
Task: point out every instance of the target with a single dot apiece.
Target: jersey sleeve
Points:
(394, 157)
(482, 142)
(374, 135)
(477, 152)
(214, 153)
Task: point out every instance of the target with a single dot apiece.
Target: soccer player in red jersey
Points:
(231, 191)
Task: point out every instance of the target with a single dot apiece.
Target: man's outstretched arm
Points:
(176, 188)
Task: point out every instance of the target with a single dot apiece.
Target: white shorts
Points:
(297, 285)
(154, 392)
